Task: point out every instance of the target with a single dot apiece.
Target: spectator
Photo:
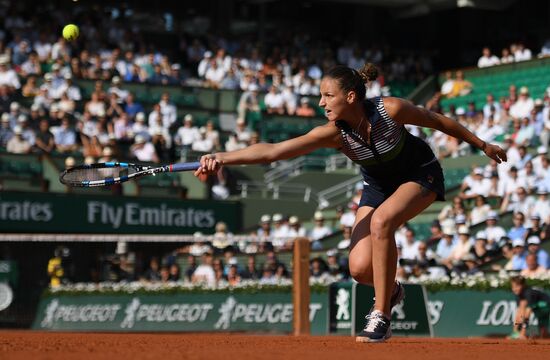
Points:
(44, 139)
(448, 84)
(152, 274)
(461, 248)
(131, 107)
(233, 277)
(213, 135)
(517, 231)
(532, 268)
(541, 256)
(243, 134)
(249, 103)
(219, 276)
(318, 268)
(187, 134)
(290, 99)
(346, 238)
(517, 262)
(279, 232)
(167, 110)
(522, 53)
(506, 57)
(494, 232)
(348, 218)
(8, 76)
(251, 272)
(203, 144)
(319, 231)
(295, 228)
(542, 205)
(143, 150)
(222, 236)
(274, 101)
(204, 273)
(524, 104)
(461, 87)
(409, 247)
(17, 144)
(305, 108)
(487, 59)
(65, 137)
(446, 245)
(174, 272)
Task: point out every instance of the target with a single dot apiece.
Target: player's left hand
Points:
(495, 152)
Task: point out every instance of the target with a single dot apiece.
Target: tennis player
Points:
(401, 174)
(529, 300)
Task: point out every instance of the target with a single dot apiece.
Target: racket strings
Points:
(95, 174)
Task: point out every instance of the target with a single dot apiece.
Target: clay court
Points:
(40, 345)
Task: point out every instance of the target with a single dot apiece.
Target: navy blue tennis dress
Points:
(392, 158)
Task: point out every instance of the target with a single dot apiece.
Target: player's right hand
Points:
(209, 166)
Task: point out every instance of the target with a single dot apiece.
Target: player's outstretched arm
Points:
(405, 112)
(263, 153)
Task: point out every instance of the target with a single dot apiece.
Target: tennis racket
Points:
(110, 173)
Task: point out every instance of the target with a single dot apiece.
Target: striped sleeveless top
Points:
(387, 137)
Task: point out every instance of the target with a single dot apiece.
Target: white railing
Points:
(275, 191)
(293, 168)
(339, 161)
(337, 193)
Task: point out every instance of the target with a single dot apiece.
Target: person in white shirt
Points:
(204, 273)
(480, 210)
(214, 75)
(144, 150)
(203, 144)
(8, 76)
(524, 104)
(506, 57)
(187, 134)
(493, 230)
(448, 84)
(290, 99)
(295, 227)
(168, 110)
(488, 131)
(243, 134)
(348, 218)
(319, 231)
(542, 151)
(274, 101)
(280, 232)
(542, 204)
(522, 53)
(409, 247)
(491, 107)
(487, 59)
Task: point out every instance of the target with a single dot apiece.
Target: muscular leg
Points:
(360, 254)
(405, 203)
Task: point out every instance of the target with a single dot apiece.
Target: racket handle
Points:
(185, 166)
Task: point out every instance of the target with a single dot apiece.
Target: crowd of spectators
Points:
(38, 67)
(516, 52)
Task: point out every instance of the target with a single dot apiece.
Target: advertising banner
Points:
(216, 311)
(63, 213)
(466, 313)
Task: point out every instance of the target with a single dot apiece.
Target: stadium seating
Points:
(496, 80)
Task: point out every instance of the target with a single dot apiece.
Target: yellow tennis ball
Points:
(70, 32)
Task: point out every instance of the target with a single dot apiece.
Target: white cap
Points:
(460, 110)
(55, 67)
(539, 102)
(139, 139)
(478, 171)
(140, 116)
(208, 54)
(48, 76)
(293, 220)
(481, 235)
(35, 107)
(5, 117)
(463, 230)
(240, 121)
(68, 76)
(265, 218)
(518, 242)
(107, 151)
(332, 252)
(534, 239)
(22, 118)
(492, 215)
(277, 217)
(18, 130)
(69, 162)
(304, 100)
(188, 117)
(448, 230)
(524, 90)
(318, 215)
(14, 106)
(253, 87)
(54, 107)
(115, 79)
(4, 59)
(541, 190)
(542, 150)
